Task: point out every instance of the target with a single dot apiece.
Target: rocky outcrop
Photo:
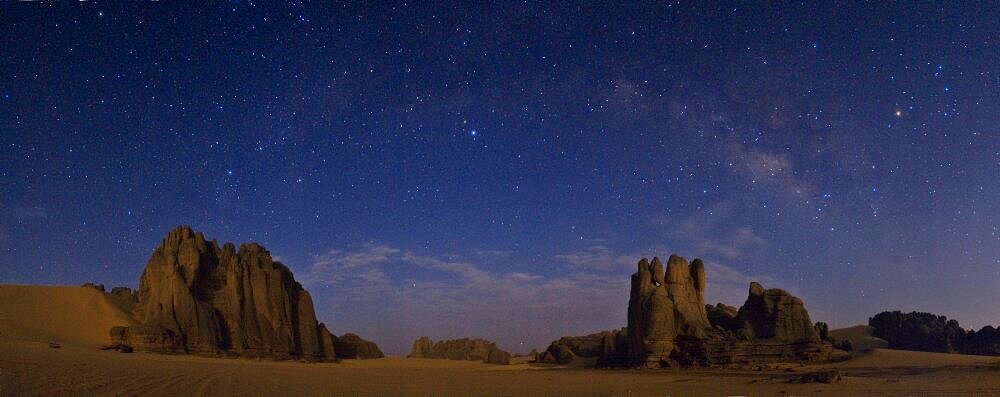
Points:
(422, 348)
(147, 337)
(933, 333)
(722, 317)
(460, 349)
(670, 325)
(352, 346)
(605, 348)
(665, 308)
(775, 314)
(197, 297)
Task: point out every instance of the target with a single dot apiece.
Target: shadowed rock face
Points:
(460, 349)
(604, 348)
(352, 346)
(776, 314)
(197, 297)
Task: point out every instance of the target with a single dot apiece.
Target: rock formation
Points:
(722, 317)
(197, 297)
(664, 308)
(460, 349)
(775, 314)
(669, 323)
(933, 333)
(352, 346)
(603, 349)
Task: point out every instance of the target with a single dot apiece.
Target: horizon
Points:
(496, 171)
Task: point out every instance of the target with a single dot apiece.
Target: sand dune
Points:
(79, 317)
(68, 315)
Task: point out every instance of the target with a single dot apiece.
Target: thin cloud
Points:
(597, 257)
(370, 291)
(703, 233)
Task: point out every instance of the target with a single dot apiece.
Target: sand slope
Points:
(68, 315)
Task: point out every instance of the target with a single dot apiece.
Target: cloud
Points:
(704, 233)
(598, 257)
(394, 296)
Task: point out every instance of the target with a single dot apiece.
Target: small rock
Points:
(829, 376)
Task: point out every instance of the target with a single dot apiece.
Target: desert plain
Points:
(36, 319)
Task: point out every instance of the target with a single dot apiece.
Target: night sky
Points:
(497, 170)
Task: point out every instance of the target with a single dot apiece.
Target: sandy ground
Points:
(28, 366)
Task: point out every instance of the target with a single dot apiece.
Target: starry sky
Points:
(496, 170)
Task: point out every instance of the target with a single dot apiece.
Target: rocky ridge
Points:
(460, 349)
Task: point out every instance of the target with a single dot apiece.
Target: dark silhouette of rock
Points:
(352, 346)
(99, 287)
(197, 297)
(933, 333)
(670, 325)
(606, 348)
(829, 376)
(722, 316)
(460, 349)
(822, 330)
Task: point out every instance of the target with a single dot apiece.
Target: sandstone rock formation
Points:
(665, 308)
(197, 297)
(722, 317)
(352, 346)
(930, 332)
(670, 325)
(605, 348)
(460, 349)
(775, 314)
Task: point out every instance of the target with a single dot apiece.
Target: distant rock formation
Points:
(933, 333)
(460, 349)
(669, 325)
(197, 297)
(124, 298)
(352, 346)
(601, 349)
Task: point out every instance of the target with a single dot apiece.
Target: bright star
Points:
(473, 132)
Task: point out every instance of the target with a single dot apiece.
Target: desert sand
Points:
(78, 319)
